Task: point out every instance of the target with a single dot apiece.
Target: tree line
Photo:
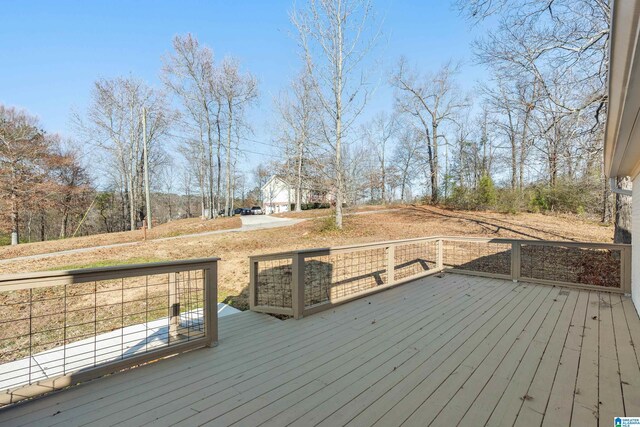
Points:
(529, 138)
(126, 134)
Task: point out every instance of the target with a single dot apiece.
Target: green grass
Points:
(109, 263)
(328, 224)
(5, 239)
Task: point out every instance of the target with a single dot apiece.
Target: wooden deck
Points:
(440, 351)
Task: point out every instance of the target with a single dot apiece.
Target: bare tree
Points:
(335, 37)
(261, 175)
(560, 50)
(73, 183)
(378, 134)
(23, 150)
(431, 100)
(405, 158)
(297, 110)
(114, 124)
(238, 90)
(189, 72)
(187, 182)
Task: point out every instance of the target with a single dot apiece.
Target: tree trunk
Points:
(147, 192)
(64, 222)
(124, 199)
(384, 178)
(43, 236)
(339, 195)
(132, 174)
(622, 232)
(432, 173)
(606, 214)
(299, 183)
(188, 209)
(132, 203)
(211, 170)
(15, 233)
(219, 159)
(339, 183)
(514, 162)
(434, 164)
(203, 189)
(227, 203)
(523, 148)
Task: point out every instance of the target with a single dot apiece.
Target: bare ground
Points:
(412, 221)
(170, 229)
(318, 213)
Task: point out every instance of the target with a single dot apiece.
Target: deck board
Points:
(435, 351)
(609, 382)
(560, 402)
(480, 338)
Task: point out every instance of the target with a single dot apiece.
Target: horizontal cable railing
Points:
(306, 281)
(64, 327)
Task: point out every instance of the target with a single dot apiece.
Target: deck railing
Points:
(303, 282)
(61, 328)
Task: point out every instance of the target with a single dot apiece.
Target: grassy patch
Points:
(109, 263)
(328, 224)
(5, 239)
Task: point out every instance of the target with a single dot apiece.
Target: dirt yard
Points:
(407, 222)
(170, 229)
(318, 213)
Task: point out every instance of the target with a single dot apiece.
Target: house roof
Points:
(274, 177)
(284, 180)
(622, 134)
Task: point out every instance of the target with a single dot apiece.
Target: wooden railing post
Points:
(625, 270)
(253, 282)
(84, 366)
(297, 285)
(440, 254)
(211, 304)
(174, 306)
(516, 260)
(391, 264)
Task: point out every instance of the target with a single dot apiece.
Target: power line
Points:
(242, 150)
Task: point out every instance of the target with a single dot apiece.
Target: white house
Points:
(278, 195)
(622, 136)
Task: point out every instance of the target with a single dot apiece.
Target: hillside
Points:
(406, 222)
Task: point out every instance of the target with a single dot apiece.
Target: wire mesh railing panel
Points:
(273, 282)
(330, 277)
(579, 265)
(478, 256)
(414, 259)
(51, 331)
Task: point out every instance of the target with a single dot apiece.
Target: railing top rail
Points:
(289, 254)
(57, 277)
(565, 243)
(572, 243)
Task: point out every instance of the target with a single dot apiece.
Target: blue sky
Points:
(53, 51)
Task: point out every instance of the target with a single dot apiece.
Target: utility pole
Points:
(146, 166)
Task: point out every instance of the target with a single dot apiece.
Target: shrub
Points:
(307, 206)
(564, 197)
(509, 201)
(461, 198)
(486, 193)
(581, 197)
(328, 224)
(484, 197)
